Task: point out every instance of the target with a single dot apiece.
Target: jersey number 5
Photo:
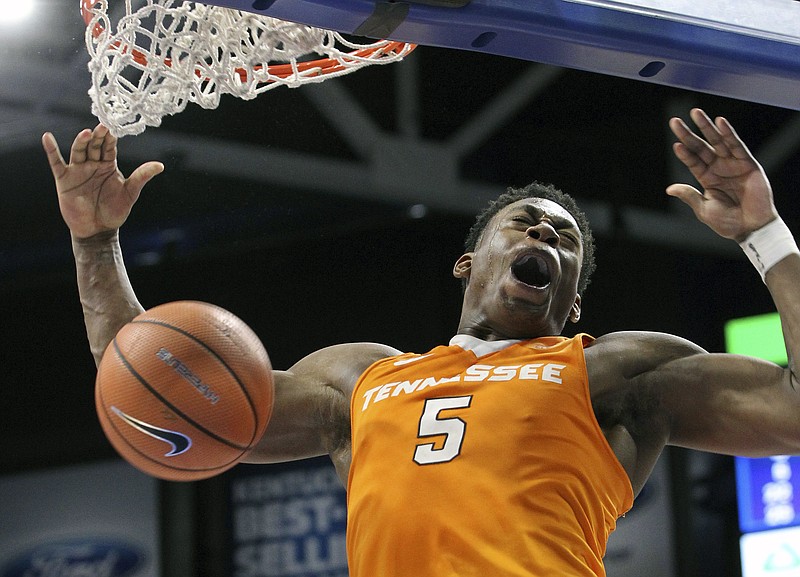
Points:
(431, 425)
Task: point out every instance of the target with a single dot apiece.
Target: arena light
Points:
(15, 11)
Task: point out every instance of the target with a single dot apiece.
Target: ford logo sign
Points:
(84, 557)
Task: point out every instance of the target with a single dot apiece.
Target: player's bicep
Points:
(731, 404)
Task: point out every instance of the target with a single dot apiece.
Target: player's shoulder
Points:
(626, 354)
(341, 364)
(642, 341)
(364, 351)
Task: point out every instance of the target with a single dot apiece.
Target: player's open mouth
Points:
(532, 270)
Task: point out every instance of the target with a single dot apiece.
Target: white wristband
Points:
(769, 244)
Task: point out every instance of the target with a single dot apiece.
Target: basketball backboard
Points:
(749, 49)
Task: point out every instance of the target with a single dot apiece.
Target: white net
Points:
(167, 53)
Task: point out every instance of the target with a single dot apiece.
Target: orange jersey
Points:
(466, 465)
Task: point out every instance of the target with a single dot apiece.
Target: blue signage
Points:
(288, 520)
(768, 492)
(78, 556)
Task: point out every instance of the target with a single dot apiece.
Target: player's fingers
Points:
(707, 127)
(109, 152)
(96, 146)
(54, 158)
(694, 162)
(688, 194)
(77, 153)
(691, 141)
(732, 140)
(142, 176)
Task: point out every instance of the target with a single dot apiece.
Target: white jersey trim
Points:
(480, 347)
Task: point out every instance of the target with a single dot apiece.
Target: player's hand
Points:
(736, 197)
(93, 194)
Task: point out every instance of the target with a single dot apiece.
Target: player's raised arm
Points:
(311, 414)
(734, 398)
(95, 200)
(737, 203)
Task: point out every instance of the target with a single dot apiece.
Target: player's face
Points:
(523, 275)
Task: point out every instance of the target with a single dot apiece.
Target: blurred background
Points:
(334, 213)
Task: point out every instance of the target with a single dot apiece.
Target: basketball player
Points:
(513, 450)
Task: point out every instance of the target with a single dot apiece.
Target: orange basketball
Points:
(184, 391)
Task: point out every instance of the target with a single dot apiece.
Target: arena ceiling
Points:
(445, 130)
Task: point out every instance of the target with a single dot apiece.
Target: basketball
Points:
(184, 390)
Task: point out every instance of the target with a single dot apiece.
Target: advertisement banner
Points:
(288, 520)
(773, 553)
(93, 520)
(768, 492)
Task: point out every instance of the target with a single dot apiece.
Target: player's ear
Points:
(575, 311)
(463, 266)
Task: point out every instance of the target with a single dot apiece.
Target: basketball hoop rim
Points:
(320, 67)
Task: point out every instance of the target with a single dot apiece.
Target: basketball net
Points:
(168, 53)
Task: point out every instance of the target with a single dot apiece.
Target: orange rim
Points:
(283, 71)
